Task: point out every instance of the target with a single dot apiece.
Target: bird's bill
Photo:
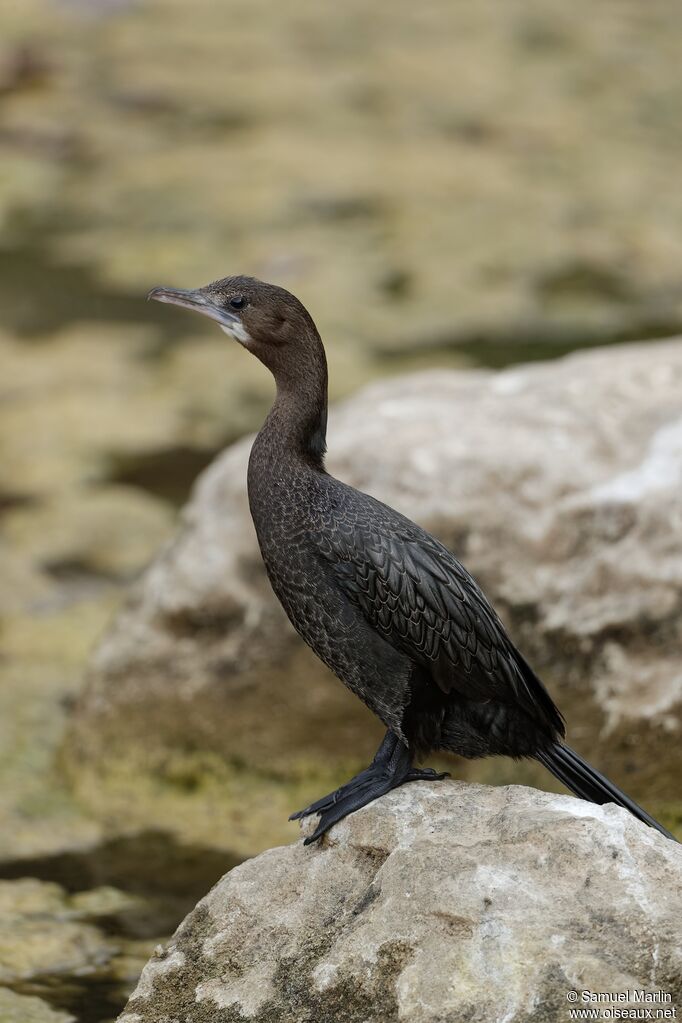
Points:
(198, 301)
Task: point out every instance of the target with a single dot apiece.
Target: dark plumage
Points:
(380, 601)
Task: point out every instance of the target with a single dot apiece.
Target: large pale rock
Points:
(559, 485)
(436, 904)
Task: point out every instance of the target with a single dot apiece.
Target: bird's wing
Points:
(416, 594)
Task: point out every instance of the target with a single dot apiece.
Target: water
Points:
(168, 878)
(39, 296)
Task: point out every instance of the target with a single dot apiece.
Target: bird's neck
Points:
(296, 426)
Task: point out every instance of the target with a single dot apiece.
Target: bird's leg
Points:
(391, 767)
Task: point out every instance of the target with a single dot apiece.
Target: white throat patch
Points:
(237, 331)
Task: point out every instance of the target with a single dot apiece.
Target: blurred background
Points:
(443, 184)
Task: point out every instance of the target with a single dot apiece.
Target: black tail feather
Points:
(583, 780)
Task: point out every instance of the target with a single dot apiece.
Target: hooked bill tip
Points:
(158, 294)
(192, 299)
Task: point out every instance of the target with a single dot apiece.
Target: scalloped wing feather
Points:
(415, 592)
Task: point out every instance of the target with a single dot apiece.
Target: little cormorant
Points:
(386, 606)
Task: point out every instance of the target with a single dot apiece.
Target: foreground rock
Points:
(437, 903)
(558, 485)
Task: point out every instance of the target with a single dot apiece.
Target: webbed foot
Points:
(391, 767)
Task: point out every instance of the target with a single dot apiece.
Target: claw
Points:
(319, 804)
(315, 837)
(326, 802)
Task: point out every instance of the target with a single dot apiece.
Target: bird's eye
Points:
(238, 303)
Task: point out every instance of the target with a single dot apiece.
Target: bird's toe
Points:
(426, 774)
(318, 806)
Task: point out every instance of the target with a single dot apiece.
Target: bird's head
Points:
(267, 320)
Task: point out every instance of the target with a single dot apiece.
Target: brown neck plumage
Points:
(296, 426)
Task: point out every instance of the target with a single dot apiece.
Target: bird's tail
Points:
(583, 780)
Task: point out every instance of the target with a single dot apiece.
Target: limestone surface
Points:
(438, 903)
